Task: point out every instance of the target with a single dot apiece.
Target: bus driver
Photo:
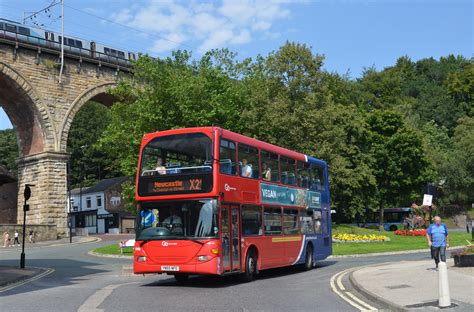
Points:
(174, 222)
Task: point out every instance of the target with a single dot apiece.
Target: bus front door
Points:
(230, 225)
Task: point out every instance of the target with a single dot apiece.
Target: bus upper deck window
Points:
(248, 161)
(228, 161)
(318, 182)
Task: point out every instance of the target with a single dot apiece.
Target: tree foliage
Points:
(8, 150)
(384, 135)
(88, 163)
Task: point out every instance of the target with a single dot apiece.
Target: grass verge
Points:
(396, 243)
(114, 249)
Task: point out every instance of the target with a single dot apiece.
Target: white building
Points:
(100, 209)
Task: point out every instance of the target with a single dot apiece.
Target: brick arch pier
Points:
(41, 111)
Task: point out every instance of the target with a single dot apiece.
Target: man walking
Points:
(16, 239)
(437, 236)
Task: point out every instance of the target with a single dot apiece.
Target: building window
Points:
(251, 220)
(248, 161)
(99, 201)
(290, 221)
(317, 178)
(91, 220)
(287, 171)
(272, 221)
(88, 202)
(269, 167)
(228, 162)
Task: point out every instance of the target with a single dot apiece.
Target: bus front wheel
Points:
(308, 264)
(250, 267)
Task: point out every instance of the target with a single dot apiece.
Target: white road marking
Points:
(93, 302)
(339, 289)
(29, 280)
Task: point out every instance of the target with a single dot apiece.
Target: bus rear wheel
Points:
(250, 267)
(180, 278)
(308, 264)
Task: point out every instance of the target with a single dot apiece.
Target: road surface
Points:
(81, 282)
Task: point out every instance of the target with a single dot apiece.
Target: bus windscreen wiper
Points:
(196, 241)
(144, 242)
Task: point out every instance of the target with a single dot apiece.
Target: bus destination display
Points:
(176, 186)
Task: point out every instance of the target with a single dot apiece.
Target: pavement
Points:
(10, 275)
(407, 285)
(56, 242)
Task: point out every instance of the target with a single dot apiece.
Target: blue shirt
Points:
(438, 234)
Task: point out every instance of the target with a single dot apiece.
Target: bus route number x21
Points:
(195, 184)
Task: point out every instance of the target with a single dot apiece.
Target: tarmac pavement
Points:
(407, 285)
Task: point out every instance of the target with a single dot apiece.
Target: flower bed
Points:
(417, 232)
(355, 238)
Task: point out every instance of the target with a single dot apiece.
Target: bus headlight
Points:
(202, 258)
(141, 258)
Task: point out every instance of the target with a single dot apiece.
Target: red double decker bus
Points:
(211, 201)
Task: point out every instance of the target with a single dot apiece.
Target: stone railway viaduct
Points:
(41, 111)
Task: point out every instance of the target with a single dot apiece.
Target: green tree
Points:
(8, 150)
(293, 103)
(88, 163)
(171, 93)
(400, 165)
(458, 176)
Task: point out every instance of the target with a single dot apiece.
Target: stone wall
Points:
(43, 232)
(41, 111)
(47, 172)
(8, 202)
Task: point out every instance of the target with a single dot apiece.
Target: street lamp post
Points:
(69, 213)
(26, 207)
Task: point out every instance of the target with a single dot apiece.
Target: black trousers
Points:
(16, 241)
(437, 253)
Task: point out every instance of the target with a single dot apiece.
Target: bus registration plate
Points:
(172, 268)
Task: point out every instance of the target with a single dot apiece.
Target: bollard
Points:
(444, 296)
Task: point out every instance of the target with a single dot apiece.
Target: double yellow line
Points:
(346, 295)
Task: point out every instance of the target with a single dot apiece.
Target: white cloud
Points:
(168, 43)
(122, 16)
(242, 37)
(205, 25)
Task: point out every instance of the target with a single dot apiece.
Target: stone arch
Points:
(29, 115)
(96, 93)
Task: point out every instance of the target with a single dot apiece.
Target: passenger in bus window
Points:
(159, 166)
(266, 173)
(246, 169)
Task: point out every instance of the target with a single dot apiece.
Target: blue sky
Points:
(352, 34)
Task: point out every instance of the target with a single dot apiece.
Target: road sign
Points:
(427, 200)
